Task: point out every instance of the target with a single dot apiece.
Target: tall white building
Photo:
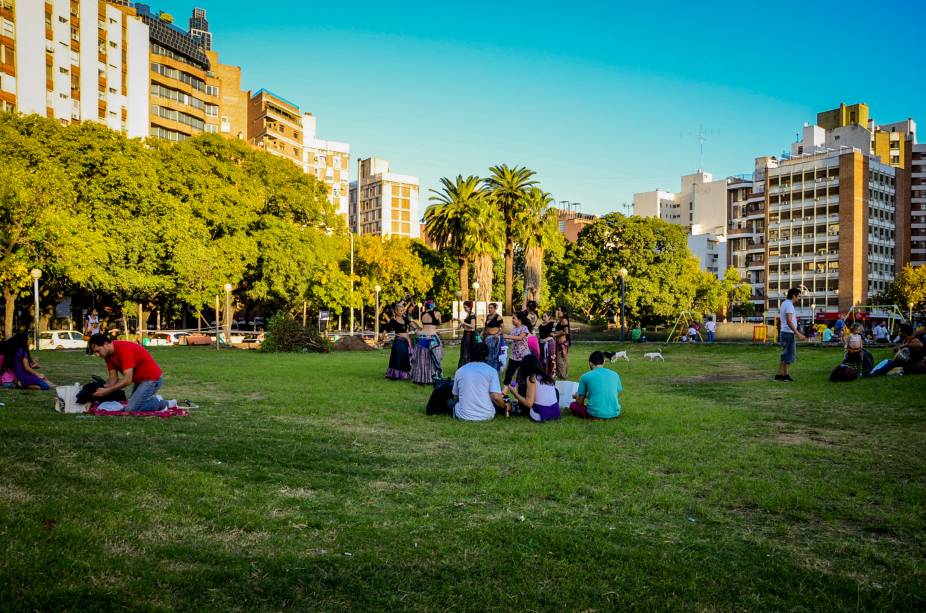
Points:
(329, 162)
(85, 61)
(918, 206)
(388, 202)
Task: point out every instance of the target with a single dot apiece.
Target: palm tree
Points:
(508, 187)
(537, 226)
(484, 238)
(446, 219)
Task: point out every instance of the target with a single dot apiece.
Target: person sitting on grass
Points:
(129, 363)
(18, 359)
(597, 396)
(909, 355)
(537, 396)
(476, 389)
(854, 345)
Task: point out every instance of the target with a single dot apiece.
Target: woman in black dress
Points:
(492, 335)
(563, 341)
(547, 344)
(468, 322)
(400, 366)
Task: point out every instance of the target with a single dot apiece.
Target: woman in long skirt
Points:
(469, 333)
(563, 341)
(428, 352)
(547, 344)
(492, 336)
(400, 366)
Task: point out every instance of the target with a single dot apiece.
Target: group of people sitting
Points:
(909, 357)
(127, 363)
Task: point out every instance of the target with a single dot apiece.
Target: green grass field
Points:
(309, 482)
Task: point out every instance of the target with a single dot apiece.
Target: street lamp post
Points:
(377, 289)
(36, 275)
(228, 289)
(476, 292)
(351, 234)
(622, 273)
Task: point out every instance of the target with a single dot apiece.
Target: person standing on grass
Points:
(563, 338)
(711, 326)
(519, 349)
(789, 334)
(129, 363)
(597, 396)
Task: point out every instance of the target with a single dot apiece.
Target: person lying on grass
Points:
(129, 363)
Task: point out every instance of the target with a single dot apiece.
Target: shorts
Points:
(788, 348)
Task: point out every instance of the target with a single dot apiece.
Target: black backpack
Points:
(441, 400)
(85, 394)
(843, 373)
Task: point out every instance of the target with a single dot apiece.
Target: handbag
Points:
(66, 399)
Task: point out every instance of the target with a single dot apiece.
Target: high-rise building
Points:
(388, 202)
(329, 162)
(918, 205)
(275, 125)
(75, 60)
(831, 218)
(184, 91)
(233, 101)
(199, 29)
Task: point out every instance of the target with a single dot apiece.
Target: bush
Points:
(286, 334)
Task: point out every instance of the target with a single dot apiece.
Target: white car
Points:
(62, 339)
(167, 339)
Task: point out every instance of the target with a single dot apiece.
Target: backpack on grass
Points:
(441, 398)
(843, 373)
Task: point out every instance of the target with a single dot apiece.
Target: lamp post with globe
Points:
(36, 275)
(622, 273)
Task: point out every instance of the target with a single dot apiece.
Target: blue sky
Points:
(602, 99)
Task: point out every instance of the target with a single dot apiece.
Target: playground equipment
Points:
(890, 312)
(688, 319)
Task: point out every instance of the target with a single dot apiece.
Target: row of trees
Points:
(124, 221)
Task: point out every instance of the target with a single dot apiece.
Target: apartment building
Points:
(75, 60)
(275, 125)
(832, 218)
(199, 29)
(570, 223)
(329, 162)
(918, 205)
(711, 251)
(386, 203)
(233, 101)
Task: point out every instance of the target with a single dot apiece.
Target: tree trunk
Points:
(464, 278)
(509, 276)
(9, 301)
(533, 273)
(483, 270)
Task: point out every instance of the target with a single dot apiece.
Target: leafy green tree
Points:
(735, 290)
(508, 187)
(394, 266)
(663, 278)
(909, 288)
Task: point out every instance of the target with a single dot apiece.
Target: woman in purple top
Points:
(519, 348)
(538, 399)
(17, 355)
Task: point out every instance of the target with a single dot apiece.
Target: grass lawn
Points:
(310, 482)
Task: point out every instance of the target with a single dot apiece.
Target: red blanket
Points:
(165, 414)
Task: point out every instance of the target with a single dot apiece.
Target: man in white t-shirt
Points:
(476, 388)
(789, 334)
(711, 326)
(880, 332)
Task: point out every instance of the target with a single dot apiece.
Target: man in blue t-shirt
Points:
(597, 396)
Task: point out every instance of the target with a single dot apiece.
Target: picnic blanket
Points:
(174, 411)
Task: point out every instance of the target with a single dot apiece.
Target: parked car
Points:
(166, 339)
(61, 339)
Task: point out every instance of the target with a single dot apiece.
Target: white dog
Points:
(653, 356)
(620, 355)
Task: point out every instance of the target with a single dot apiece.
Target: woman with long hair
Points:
(547, 343)
(492, 335)
(468, 323)
(17, 355)
(400, 366)
(519, 349)
(538, 399)
(428, 352)
(563, 341)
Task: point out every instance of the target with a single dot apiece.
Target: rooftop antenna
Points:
(702, 137)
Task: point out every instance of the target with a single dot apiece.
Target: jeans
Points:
(710, 336)
(143, 396)
(788, 348)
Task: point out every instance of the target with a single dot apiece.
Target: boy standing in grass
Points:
(789, 334)
(135, 365)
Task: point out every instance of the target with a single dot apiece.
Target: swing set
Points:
(686, 318)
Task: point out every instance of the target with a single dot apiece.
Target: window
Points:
(212, 90)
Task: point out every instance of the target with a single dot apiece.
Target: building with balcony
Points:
(383, 202)
(329, 162)
(75, 60)
(918, 205)
(275, 125)
(571, 222)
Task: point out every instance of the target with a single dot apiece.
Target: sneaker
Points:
(788, 379)
(780, 378)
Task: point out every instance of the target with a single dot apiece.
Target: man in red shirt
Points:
(129, 363)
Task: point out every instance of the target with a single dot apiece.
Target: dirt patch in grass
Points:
(788, 435)
(714, 378)
(10, 494)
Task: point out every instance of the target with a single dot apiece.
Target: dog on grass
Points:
(654, 356)
(614, 356)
